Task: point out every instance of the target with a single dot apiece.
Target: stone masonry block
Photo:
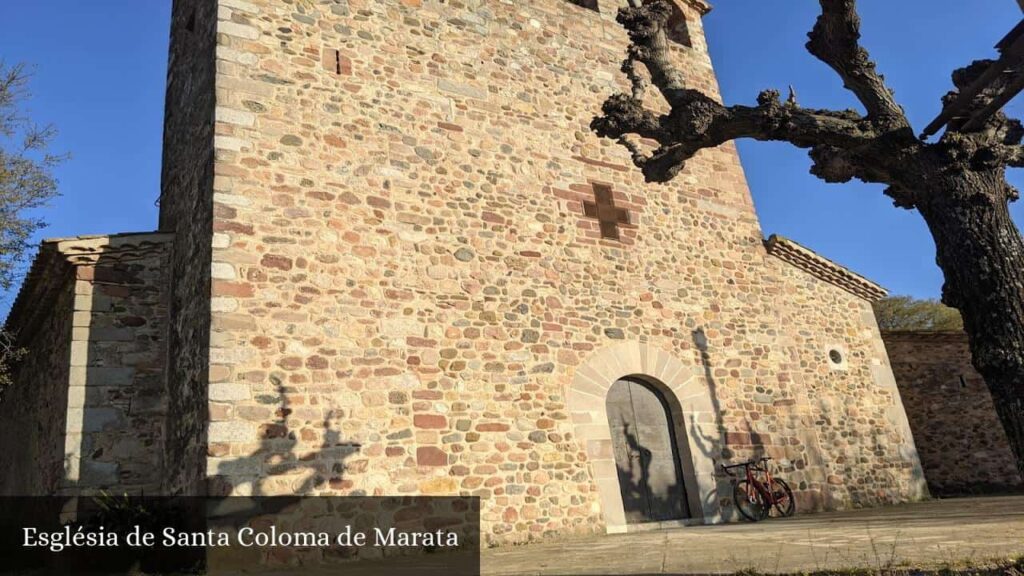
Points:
(231, 431)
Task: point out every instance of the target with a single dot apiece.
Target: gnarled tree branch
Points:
(1015, 157)
(697, 122)
(835, 41)
(647, 26)
(974, 106)
(842, 144)
(624, 114)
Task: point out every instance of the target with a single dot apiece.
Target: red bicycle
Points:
(758, 493)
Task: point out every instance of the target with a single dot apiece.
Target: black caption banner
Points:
(394, 536)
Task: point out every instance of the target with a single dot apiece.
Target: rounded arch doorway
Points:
(693, 411)
(646, 452)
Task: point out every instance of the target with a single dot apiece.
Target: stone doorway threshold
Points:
(663, 525)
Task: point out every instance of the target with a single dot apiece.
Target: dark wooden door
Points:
(650, 477)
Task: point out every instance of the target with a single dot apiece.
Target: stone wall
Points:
(33, 409)
(86, 409)
(863, 452)
(409, 294)
(186, 209)
(118, 361)
(962, 444)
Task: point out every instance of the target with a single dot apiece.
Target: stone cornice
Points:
(813, 263)
(82, 250)
(54, 265)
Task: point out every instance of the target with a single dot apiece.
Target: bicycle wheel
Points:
(785, 504)
(749, 501)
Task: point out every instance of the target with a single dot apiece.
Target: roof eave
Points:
(822, 268)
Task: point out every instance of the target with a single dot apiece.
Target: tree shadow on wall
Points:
(638, 500)
(277, 458)
(712, 446)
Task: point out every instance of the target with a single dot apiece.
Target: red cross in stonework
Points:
(608, 215)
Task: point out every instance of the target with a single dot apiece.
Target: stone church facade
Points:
(393, 259)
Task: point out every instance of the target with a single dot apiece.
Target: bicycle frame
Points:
(755, 483)
(750, 470)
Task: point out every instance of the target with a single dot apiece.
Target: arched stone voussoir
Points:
(684, 390)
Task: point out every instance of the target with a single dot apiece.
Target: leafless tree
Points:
(26, 182)
(957, 184)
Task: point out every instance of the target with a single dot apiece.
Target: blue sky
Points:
(100, 71)
(755, 44)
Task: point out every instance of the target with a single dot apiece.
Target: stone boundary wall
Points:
(961, 442)
(33, 408)
(86, 410)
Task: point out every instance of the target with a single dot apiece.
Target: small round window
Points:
(835, 356)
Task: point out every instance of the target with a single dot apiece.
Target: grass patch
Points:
(1012, 567)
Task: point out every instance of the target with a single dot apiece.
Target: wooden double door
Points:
(646, 454)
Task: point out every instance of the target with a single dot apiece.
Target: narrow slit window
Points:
(190, 24)
(678, 29)
(588, 4)
(332, 61)
(963, 382)
(335, 62)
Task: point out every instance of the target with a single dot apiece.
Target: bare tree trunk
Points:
(981, 253)
(958, 183)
